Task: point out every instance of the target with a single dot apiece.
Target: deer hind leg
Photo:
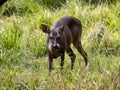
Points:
(78, 46)
(72, 56)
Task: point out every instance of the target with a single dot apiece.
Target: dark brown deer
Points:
(63, 32)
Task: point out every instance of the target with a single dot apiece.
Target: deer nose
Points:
(55, 46)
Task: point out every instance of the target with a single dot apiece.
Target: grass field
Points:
(23, 59)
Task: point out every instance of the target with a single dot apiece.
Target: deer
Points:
(65, 31)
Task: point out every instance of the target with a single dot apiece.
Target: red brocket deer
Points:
(63, 32)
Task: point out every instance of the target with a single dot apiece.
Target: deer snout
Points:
(56, 46)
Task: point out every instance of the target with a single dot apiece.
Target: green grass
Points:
(23, 59)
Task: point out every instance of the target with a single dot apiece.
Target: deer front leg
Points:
(50, 61)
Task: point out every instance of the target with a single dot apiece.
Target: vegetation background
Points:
(23, 59)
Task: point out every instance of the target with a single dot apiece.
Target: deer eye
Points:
(58, 38)
(51, 38)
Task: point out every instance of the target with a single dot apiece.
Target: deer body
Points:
(63, 32)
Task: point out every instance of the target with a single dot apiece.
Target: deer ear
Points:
(61, 28)
(45, 29)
